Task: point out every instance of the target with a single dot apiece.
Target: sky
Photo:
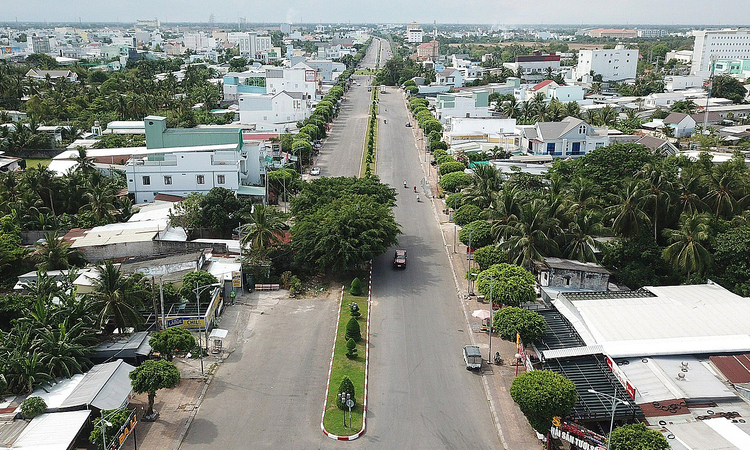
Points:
(492, 12)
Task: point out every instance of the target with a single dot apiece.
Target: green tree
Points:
(344, 233)
(686, 252)
(152, 376)
(486, 182)
(116, 420)
(187, 213)
(172, 340)
(507, 284)
(346, 387)
(732, 254)
(530, 235)
(476, 234)
(511, 320)
(580, 237)
(455, 181)
(197, 279)
(54, 254)
(450, 167)
(632, 436)
(220, 210)
(466, 214)
(262, 231)
(542, 395)
(725, 86)
(627, 214)
(488, 256)
(352, 329)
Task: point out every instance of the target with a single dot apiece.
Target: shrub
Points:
(352, 330)
(351, 349)
(513, 285)
(356, 287)
(541, 395)
(511, 320)
(346, 387)
(637, 436)
(454, 201)
(466, 214)
(450, 167)
(439, 152)
(442, 159)
(438, 145)
(32, 407)
(295, 286)
(172, 340)
(454, 182)
(286, 279)
(478, 231)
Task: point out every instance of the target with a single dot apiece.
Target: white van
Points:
(472, 357)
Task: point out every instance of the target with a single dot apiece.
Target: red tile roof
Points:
(542, 84)
(169, 197)
(258, 136)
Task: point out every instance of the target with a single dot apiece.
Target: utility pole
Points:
(708, 99)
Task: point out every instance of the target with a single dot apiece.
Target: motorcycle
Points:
(498, 359)
(405, 183)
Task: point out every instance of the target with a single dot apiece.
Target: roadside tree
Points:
(542, 395)
(152, 376)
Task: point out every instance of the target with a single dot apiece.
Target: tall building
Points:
(729, 43)
(613, 33)
(40, 44)
(415, 35)
(612, 64)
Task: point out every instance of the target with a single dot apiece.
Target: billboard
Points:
(581, 437)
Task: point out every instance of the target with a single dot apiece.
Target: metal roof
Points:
(560, 332)
(735, 367)
(105, 386)
(54, 431)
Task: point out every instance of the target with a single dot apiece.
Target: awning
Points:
(253, 191)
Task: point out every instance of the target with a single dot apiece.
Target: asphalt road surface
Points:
(421, 395)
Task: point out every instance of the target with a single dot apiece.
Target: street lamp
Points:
(492, 285)
(198, 291)
(615, 401)
(346, 399)
(106, 424)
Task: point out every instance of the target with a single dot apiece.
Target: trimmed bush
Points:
(346, 387)
(439, 152)
(479, 231)
(438, 145)
(513, 285)
(351, 349)
(450, 167)
(511, 320)
(356, 287)
(488, 256)
(352, 330)
(442, 159)
(454, 182)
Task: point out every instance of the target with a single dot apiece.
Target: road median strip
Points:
(337, 423)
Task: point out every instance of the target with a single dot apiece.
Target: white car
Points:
(315, 171)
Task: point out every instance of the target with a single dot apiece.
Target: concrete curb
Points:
(367, 370)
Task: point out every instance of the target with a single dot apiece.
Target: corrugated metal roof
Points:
(55, 431)
(573, 351)
(736, 367)
(105, 386)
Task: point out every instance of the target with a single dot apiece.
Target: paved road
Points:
(269, 392)
(368, 62)
(341, 154)
(421, 395)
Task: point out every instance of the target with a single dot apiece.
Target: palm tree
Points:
(686, 191)
(100, 202)
(608, 116)
(724, 189)
(579, 238)
(530, 236)
(686, 252)
(486, 182)
(262, 230)
(65, 348)
(503, 209)
(658, 189)
(83, 162)
(510, 108)
(626, 213)
(54, 253)
(115, 297)
(582, 194)
(573, 109)
(591, 117)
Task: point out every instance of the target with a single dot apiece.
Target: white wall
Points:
(725, 44)
(612, 65)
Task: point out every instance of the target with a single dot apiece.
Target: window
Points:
(551, 148)
(146, 180)
(167, 179)
(220, 179)
(200, 179)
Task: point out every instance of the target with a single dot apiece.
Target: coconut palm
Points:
(64, 348)
(530, 236)
(83, 162)
(573, 109)
(608, 116)
(687, 189)
(54, 253)
(724, 189)
(100, 202)
(486, 182)
(510, 108)
(579, 238)
(686, 252)
(626, 213)
(658, 190)
(262, 230)
(503, 209)
(115, 297)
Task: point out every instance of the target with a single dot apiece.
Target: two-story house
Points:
(682, 125)
(274, 112)
(569, 137)
(450, 77)
(475, 104)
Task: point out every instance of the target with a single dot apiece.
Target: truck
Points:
(472, 357)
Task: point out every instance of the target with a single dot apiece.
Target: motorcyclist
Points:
(404, 183)
(415, 189)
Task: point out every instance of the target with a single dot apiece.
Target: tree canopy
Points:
(637, 436)
(542, 395)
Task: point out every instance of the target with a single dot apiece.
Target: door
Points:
(576, 148)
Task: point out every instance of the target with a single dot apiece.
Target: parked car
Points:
(408, 124)
(472, 357)
(315, 171)
(399, 259)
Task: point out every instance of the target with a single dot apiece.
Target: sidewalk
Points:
(517, 434)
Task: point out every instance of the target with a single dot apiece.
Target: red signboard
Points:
(620, 375)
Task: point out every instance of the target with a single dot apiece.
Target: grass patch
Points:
(352, 368)
(35, 162)
(373, 113)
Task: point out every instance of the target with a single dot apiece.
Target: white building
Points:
(678, 82)
(682, 56)
(570, 137)
(612, 64)
(250, 44)
(198, 41)
(274, 112)
(450, 77)
(300, 78)
(415, 35)
(462, 129)
(724, 44)
(475, 104)
(566, 94)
